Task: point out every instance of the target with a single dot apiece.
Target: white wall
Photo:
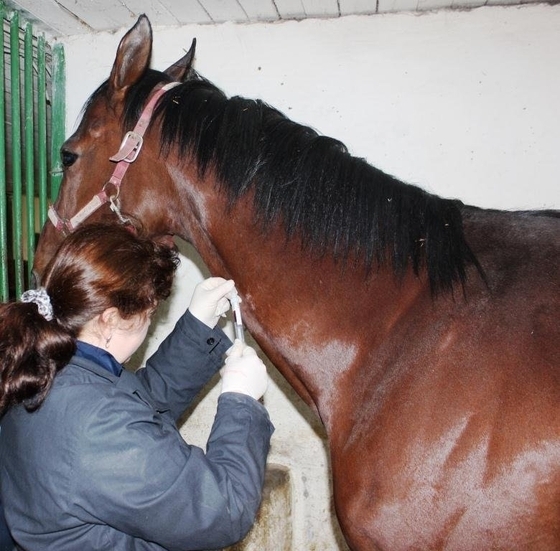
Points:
(464, 104)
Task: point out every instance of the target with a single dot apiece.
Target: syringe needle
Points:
(237, 320)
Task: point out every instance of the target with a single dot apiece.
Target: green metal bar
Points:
(58, 116)
(16, 154)
(4, 286)
(29, 150)
(42, 129)
(41, 124)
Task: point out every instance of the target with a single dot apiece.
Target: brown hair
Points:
(96, 267)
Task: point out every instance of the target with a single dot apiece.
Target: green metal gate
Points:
(32, 118)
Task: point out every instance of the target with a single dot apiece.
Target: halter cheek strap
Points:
(127, 153)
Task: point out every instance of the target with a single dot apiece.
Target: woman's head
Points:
(98, 269)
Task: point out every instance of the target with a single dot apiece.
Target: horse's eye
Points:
(68, 158)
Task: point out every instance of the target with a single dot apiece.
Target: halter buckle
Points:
(129, 149)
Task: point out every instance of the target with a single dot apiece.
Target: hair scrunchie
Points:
(41, 298)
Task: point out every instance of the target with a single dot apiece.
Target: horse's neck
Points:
(316, 320)
(323, 330)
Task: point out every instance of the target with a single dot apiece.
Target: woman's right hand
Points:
(244, 371)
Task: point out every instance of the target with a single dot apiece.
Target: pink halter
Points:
(129, 150)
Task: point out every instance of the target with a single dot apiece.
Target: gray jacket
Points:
(101, 464)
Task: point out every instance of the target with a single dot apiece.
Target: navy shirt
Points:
(99, 356)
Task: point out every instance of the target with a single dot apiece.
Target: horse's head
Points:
(90, 189)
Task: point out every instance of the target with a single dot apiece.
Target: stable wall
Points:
(463, 104)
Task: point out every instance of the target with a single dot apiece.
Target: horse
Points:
(422, 331)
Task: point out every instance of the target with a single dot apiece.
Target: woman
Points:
(90, 454)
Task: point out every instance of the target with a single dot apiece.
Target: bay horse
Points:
(423, 332)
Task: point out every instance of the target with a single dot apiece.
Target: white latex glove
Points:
(244, 371)
(209, 300)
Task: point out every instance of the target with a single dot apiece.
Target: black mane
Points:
(334, 202)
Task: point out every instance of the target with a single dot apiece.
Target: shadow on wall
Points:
(273, 526)
(272, 530)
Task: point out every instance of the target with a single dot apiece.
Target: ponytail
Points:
(96, 267)
(32, 351)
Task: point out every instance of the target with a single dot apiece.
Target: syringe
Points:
(237, 320)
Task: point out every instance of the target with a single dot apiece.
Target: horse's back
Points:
(519, 253)
(464, 430)
(515, 243)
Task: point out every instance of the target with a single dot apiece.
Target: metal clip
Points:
(115, 206)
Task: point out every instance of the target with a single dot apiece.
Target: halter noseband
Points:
(129, 150)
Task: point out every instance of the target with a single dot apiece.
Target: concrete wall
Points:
(464, 104)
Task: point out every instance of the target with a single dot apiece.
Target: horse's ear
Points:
(180, 70)
(133, 56)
